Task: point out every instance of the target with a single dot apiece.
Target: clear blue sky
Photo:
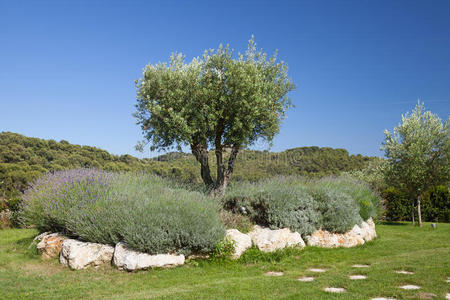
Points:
(67, 68)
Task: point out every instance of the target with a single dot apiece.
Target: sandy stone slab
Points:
(272, 273)
(357, 277)
(305, 279)
(334, 290)
(410, 287)
(317, 270)
(360, 266)
(447, 296)
(404, 272)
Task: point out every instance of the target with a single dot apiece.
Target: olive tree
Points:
(219, 101)
(418, 153)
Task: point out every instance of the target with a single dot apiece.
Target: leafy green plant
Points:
(223, 250)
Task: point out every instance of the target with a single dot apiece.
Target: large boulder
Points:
(358, 235)
(79, 255)
(49, 244)
(368, 228)
(268, 240)
(130, 260)
(241, 241)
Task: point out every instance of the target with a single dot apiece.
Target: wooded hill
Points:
(22, 159)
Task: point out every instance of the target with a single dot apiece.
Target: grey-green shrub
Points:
(338, 211)
(277, 203)
(147, 212)
(303, 205)
(361, 193)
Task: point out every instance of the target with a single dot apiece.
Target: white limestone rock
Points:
(358, 235)
(130, 260)
(268, 240)
(50, 244)
(79, 255)
(368, 228)
(240, 240)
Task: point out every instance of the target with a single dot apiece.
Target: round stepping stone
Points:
(272, 273)
(360, 266)
(317, 270)
(382, 298)
(357, 277)
(410, 287)
(305, 279)
(334, 290)
(404, 272)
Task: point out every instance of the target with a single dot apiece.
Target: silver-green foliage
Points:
(220, 100)
(338, 211)
(146, 212)
(333, 204)
(418, 151)
(360, 192)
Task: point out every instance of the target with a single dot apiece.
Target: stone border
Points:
(79, 255)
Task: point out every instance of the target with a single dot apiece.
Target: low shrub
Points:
(147, 212)
(361, 193)
(232, 220)
(333, 204)
(397, 204)
(435, 205)
(275, 203)
(338, 211)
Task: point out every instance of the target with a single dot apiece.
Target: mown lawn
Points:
(425, 251)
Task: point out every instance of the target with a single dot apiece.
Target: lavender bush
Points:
(145, 211)
(303, 205)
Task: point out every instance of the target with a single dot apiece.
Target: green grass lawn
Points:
(425, 251)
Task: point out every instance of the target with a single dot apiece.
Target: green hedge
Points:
(435, 205)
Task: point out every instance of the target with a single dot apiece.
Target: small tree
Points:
(418, 154)
(216, 101)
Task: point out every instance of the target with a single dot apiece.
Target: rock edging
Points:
(358, 235)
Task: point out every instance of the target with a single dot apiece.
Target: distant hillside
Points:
(23, 158)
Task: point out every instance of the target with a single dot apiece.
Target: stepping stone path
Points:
(334, 290)
(360, 266)
(305, 279)
(410, 287)
(404, 272)
(272, 273)
(357, 277)
(317, 270)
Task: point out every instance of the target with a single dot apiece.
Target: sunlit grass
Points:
(399, 247)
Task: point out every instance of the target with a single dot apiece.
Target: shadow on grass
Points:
(393, 223)
(28, 247)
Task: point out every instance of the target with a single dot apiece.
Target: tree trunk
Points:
(418, 211)
(224, 174)
(201, 155)
(412, 213)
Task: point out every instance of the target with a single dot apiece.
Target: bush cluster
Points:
(333, 204)
(146, 212)
(435, 204)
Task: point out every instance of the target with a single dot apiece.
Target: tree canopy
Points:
(217, 101)
(418, 153)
